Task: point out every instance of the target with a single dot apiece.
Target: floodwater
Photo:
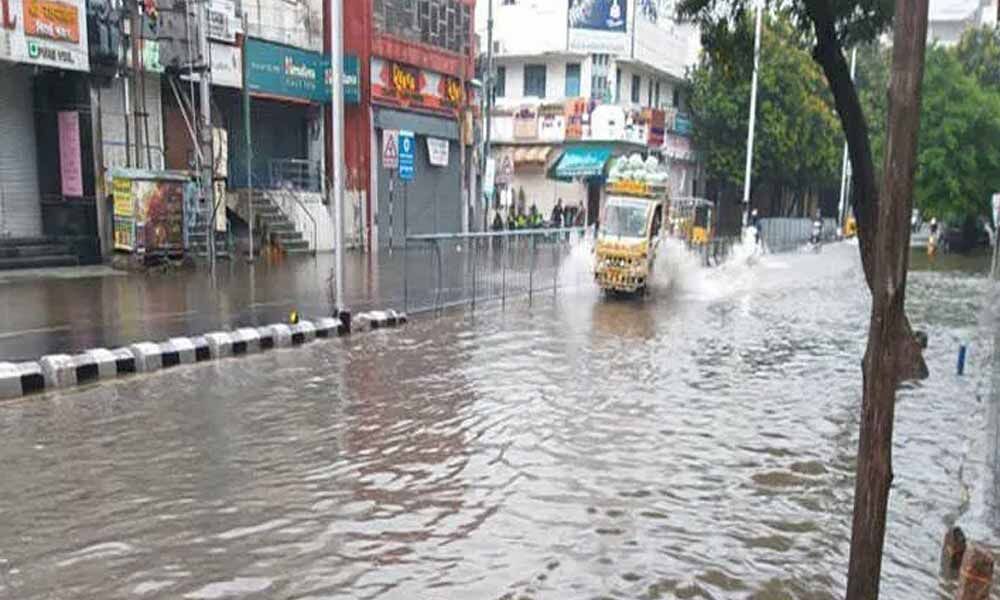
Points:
(697, 444)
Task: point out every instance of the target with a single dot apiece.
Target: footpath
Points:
(72, 309)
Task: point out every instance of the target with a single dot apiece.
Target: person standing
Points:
(557, 214)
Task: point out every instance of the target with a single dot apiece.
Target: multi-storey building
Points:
(594, 78)
(416, 62)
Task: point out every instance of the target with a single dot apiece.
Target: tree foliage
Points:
(797, 139)
(958, 165)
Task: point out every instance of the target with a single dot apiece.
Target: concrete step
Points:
(28, 241)
(37, 262)
(33, 250)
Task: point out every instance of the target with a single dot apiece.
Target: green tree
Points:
(959, 156)
(797, 140)
(979, 53)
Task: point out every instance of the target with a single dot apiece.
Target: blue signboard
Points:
(286, 71)
(682, 124)
(352, 81)
(407, 148)
(598, 15)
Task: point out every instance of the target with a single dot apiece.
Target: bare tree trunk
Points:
(828, 53)
(889, 334)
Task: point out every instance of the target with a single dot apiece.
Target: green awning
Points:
(582, 161)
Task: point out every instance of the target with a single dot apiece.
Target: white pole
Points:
(753, 118)
(845, 165)
(337, 60)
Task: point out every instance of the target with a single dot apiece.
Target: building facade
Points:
(572, 76)
(416, 61)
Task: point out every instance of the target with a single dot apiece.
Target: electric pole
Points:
(845, 164)
(488, 90)
(135, 28)
(337, 97)
(753, 118)
(205, 127)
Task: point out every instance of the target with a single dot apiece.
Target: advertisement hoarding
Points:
(598, 26)
(50, 33)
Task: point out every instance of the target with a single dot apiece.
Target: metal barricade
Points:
(457, 269)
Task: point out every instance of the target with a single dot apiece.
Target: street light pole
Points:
(753, 118)
(488, 90)
(845, 165)
(337, 96)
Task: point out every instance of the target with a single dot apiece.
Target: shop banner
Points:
(70, 169)
(402, 85)
(286, 72)
(45, 32)
(526, 124)
(488, 179)
(227, 66)
(223, 24)
(657, 121)
(598, 26)
(577, 119)
(352, 79)
(437, 152)
(124, 214)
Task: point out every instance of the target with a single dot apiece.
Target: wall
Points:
(292, 22)
(666, 45)
(114, 122)
(544, 192)
(555, 77)
(526, 28)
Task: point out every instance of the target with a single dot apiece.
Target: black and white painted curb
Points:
(60, 371)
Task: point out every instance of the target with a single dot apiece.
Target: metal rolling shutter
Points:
(20, 202)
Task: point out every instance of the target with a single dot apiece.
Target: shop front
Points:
(427, 105)
(46, 155)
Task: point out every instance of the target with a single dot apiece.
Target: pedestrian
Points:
(511, 219)
(932, 239)
(497, 221)
(522, 220)
(579, 216)
(557, 214)
(534, 217)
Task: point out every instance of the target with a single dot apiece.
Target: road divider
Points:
(62, 371)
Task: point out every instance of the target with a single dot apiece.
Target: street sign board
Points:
(407, 149)
(488, 178)
(390, 149)
(505, 170)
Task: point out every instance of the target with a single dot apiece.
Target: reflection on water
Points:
(698, 443)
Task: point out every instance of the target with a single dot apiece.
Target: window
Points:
(500, 83)
(635, 89)
(572, 80)
(599, 88)
(508, 2)
(657, 105)
(649, 94)
(677, 98)
(534, 80)
(618, 85)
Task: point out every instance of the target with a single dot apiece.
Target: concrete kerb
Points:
(60, 371)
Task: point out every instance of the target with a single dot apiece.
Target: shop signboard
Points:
(598, 26)
(407, 150)
(70, 169)
(223, 25)
(682, 124)
(656, 120)
(403, 85)
(50, 33)
(283, 71)
(577, 113)
(526, 124)
(552, 127)
(390, 149)
(352, 79)
(437, 152)
(149, 211)
(227, 66)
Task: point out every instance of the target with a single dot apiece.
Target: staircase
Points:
(198, 237)
(273, 220)
(33, 253)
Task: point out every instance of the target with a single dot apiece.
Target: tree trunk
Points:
(828, 53)
(889, 337)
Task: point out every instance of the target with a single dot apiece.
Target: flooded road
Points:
(699, 444)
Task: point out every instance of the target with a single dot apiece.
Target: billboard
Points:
(149, 213)
(598, 26)
(51, 33)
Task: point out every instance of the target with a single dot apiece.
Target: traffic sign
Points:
(505, 172)
(390, 149)
(407, 148)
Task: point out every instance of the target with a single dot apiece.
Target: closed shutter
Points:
(20, 201)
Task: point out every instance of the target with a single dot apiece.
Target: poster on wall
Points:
(577, 119)
(46, 32)
(526, 123)
(598, 26)
(70, 169)
(437, 152)
(124, 214)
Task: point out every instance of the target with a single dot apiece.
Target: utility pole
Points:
(845, 164)
(488, 89)
(753, 118)
(337, 97)
(205, 127)
(248, 141)
(135, 29)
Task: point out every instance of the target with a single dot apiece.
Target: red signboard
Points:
(407, 86)
(656, 120)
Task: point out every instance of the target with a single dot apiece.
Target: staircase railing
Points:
(282, 199)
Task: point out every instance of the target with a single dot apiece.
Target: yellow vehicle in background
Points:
(631, 228)
(691, 220)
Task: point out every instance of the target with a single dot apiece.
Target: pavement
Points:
(71, 309)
